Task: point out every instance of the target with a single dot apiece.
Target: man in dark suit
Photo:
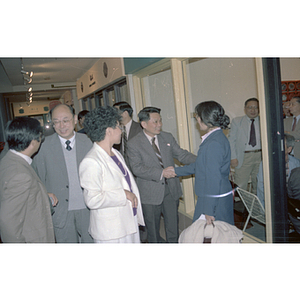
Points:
(57, 165)
(131, 128)
(25, 209)
(150, 160)
(293, 190)
(81, 117)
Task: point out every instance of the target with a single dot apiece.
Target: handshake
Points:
(169, 172)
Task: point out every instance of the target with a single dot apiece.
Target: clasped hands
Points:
(169, 172)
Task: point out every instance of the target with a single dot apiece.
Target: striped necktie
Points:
(124, 140)
(157, 152)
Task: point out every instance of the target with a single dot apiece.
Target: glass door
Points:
(230, 82)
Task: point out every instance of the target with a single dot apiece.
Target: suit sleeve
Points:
(140, 167)
(186, 170)
(232, 138)
(293, 184)
(14, 206)
(39, 165)
(212, 161)
(184, 156)
(260, 184)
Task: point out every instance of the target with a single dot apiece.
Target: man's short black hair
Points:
(144, 114)
(82, 113)
(251, 99)
(21, 131)
(124, 106)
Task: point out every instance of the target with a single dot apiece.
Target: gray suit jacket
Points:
(287, 124)
(145, 166)
(50, 166)
(238, 138)
(25, 215)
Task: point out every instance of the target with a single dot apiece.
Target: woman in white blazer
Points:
(110, 190)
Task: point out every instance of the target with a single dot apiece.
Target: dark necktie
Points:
(157, 152)
(294, 124)
(68, 145)
(252, 140)
(124, 141)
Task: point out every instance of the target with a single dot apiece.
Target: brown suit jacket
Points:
(25, 215)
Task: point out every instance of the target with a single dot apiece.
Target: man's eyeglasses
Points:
(64, 122)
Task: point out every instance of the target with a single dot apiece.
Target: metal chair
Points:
(253, 206)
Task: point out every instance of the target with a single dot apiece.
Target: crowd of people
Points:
(111, 181)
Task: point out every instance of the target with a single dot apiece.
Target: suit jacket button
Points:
(67, 186)
(67, 200)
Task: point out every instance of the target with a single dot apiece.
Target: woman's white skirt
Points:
(131, 238)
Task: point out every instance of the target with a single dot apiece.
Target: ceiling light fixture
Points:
(27, 78)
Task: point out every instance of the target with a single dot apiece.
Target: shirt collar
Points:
(209, 133)
(27, 158)
(128, 125)
(251, 118)
(150, 137)
(72, 140)
(297, 117)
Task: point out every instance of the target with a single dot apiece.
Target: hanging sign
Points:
(103, 72)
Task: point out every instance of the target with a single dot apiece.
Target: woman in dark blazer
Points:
(212, 167)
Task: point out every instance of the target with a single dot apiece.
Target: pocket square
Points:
(168, 145)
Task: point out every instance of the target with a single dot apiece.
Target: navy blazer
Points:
(212, 185)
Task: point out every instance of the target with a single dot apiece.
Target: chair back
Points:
(253, 206)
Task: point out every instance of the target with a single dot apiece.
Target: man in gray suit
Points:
(57, 165)
(25, 208)
(151, 153)
(245, 144)
(292, 124)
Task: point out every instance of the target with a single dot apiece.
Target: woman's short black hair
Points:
(21, 131)
(212, 114)
(144, 114)
(100, 118)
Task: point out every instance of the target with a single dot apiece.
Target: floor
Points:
(258, 229)
(254, 228)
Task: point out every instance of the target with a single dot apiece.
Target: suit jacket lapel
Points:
(162, 147)
(80, 150)
(245, 125)
(56, 149)
(148, 147)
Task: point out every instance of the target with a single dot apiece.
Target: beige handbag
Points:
(218, 232)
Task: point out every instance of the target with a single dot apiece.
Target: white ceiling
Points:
(51, 78)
